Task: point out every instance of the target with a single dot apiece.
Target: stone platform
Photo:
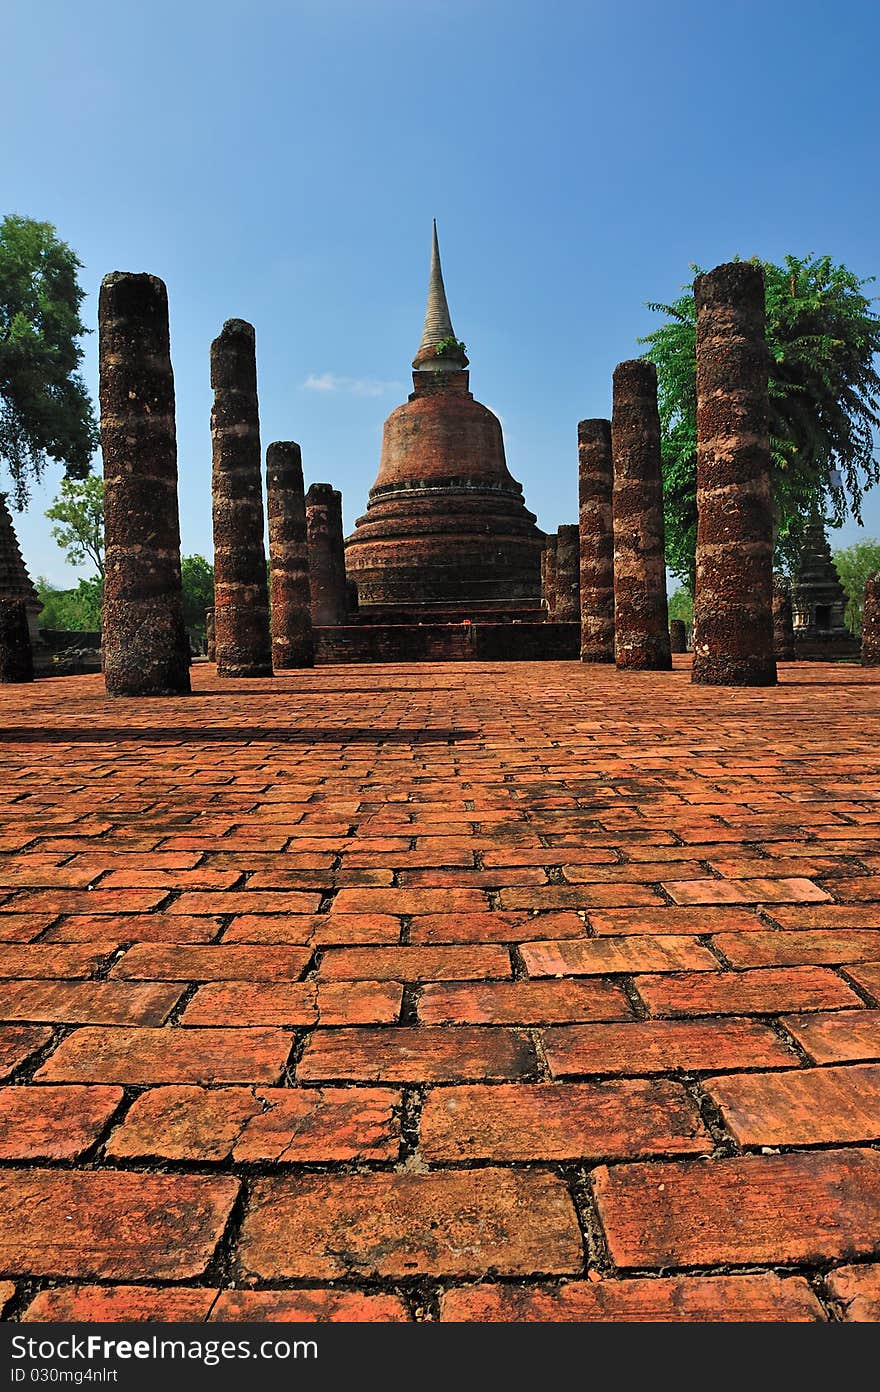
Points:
(512, 991)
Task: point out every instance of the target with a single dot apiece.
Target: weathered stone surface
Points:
(210, 636)
(548, 576)
(595, 492)
(326, 554)
(783, 624)
(641, 624)
(871, 623)
(678, 635)
(16, 657)
(733, 600)
(568, 575)
(146, 651)
(241, 595)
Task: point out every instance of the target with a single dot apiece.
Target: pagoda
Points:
(819, 600)
(15, 583)
(446, 531)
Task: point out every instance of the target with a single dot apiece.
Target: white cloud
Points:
(355, 386)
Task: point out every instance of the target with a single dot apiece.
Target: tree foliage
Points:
(854, 565)
(45, 409)
(681, 606)
(79, 512)
(197, 575)
(77, 611)
(824, 400)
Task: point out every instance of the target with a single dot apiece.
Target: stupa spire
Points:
(438, 322)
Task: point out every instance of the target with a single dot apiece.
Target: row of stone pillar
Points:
(145, 645)
(622, 576)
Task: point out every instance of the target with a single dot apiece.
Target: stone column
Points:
(733, 599)
(16, 656)
(641, 624)
(548, 576)
(595, 490)
(678, 636)
(568, 575)
(145, 647)
(871, 623)
(241, 591)
(292, 642)
(783, 621)
(326, 555)
(210, 637)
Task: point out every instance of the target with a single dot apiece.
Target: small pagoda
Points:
(15, 583)
(819, 601)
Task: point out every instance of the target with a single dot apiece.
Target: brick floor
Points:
(496, 992)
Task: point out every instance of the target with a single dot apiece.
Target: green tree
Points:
(854, 565)
(681, 606)
(79, 511)
(824, 399)
(197, 576)
(45, 409)
(78, 611)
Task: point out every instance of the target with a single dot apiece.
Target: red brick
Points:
(184, 1123)
(813, 1106)
(838, 1037)
(126, 928)
(246, 902)
(19, 1043)
(791, 947)
(860, 891)
(168, 879)
(561, 1121)
(35, 960)
(665, 919)
(496, 927)
(111, 1225)
(146, 962)
(405, 1054)
(20, 928)
(410, 901)
(53, 1123)
(579, 897)
(394, 1225)
(138, 1056)
(641, 873)
(542, 855)
(827, 916)
(522, 1002)
(309, 1306)
(868, 977)
(757, 891)
(810, 1206)
(767, 991)
(89, 1002)
(86, 901)
(858, 1290)
(691, 1299)
(121, 1304)
(598, 956)
(413, 963)
(660, 1046)
(295, 1003)
(7, 1291)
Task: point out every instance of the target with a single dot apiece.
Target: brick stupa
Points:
(446, 529)
(15, 583)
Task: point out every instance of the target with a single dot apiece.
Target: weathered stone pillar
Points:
(210, 636)
(548, 576)
(641, 624)
(145, 647)
(352, 598)
(292, 642)
(241, 591)
(568, 575)
(871, 623)
(326, 555)
(16, 656)
(783, 621)
(595, 491)
(733, 599)
(678, 636)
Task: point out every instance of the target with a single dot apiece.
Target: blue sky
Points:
(281, 162)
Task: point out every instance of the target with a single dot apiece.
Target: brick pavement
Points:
(516, 991)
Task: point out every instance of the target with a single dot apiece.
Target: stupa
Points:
(446, 529)
(15, 583)
(819, 600)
